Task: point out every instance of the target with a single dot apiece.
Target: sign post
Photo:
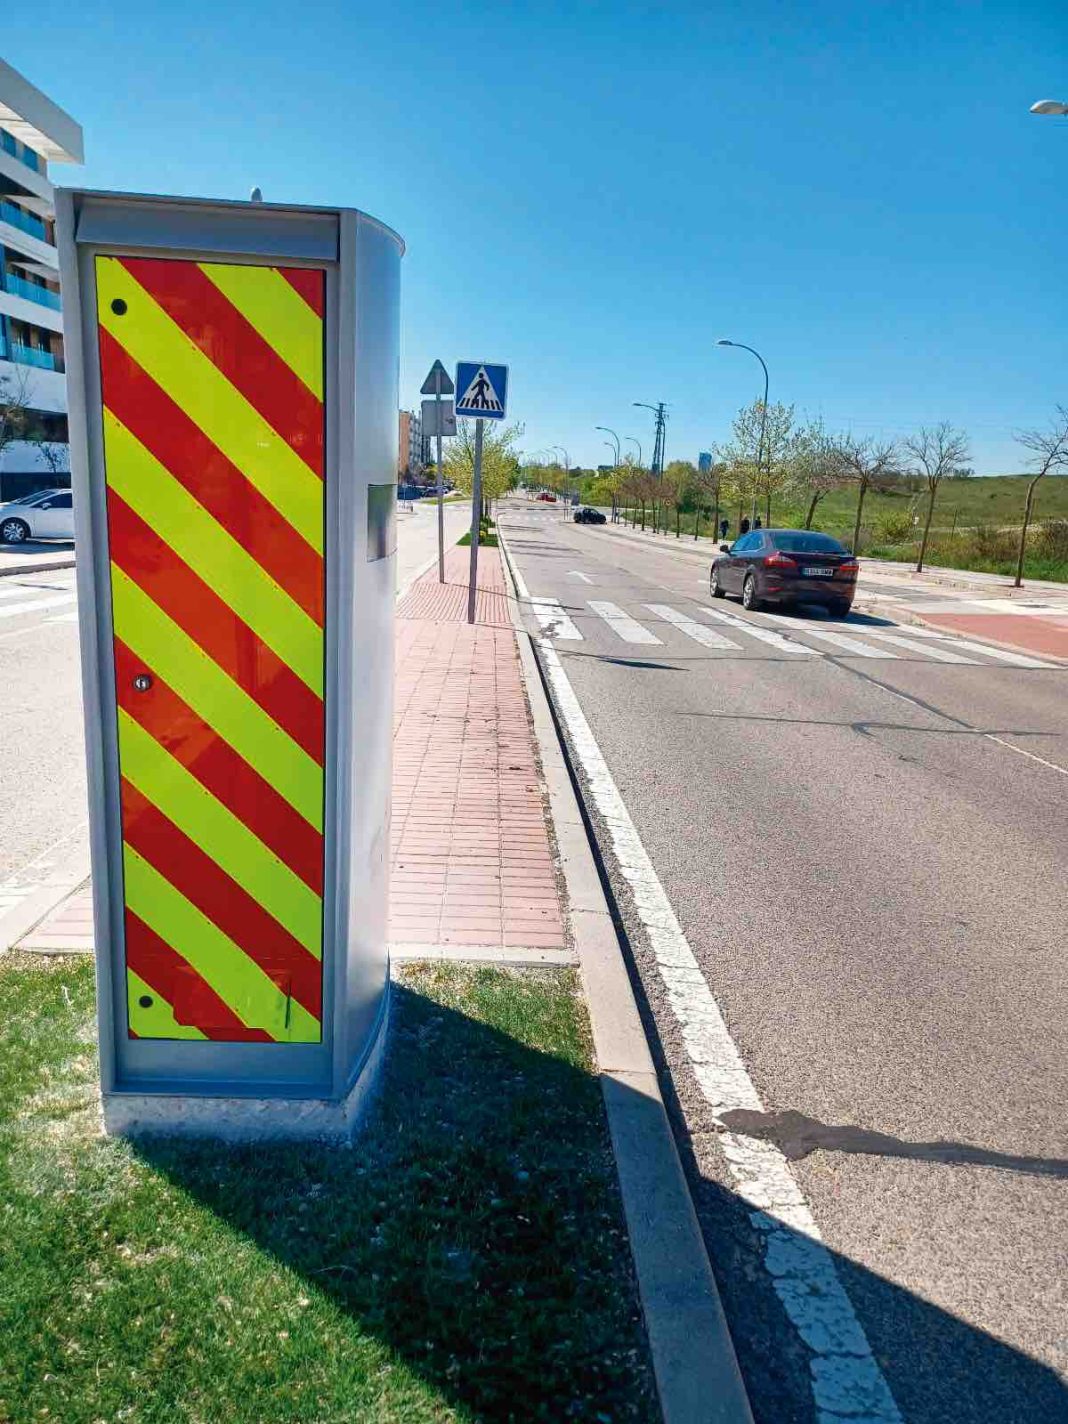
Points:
(437, 384)
(482, 392)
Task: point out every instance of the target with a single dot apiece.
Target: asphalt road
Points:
(42, 773)
(867, 855)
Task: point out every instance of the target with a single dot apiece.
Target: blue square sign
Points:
(481, 389)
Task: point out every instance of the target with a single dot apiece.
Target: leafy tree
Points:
(1050, 450)
(815, 467)
(761, 468)
(706, 491)
(500, 462)
(676, 487)
(936, 451)
(867, 464)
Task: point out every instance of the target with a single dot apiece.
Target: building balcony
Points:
(29, 312)
(26, 222)
(33, 356)
(19, 287)
(10, 144)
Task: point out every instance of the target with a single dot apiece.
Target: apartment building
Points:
(34, 132)
(413, 447)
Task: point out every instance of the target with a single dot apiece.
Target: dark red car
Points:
(786, 566)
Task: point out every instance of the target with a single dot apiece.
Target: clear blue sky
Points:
(594, 192)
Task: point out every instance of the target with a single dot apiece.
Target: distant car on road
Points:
(48, 514)
(785, 566)
(588, 516)
(547, 497)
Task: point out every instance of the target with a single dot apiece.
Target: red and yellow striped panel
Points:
(212, 383)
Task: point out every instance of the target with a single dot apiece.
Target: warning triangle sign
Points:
(480, 395)
(438, 382)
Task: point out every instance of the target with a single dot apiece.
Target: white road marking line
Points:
(846, 1380)
(766, 635)
(38, 605)
(63, 618)
(1030, 755)
(708, 637)
(551, 616)
(923, 650)
(577, 573)
(848, 645)
(622, 624)
(1001, 654)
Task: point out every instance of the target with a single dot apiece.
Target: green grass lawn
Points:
(997, 500)
(465, 1260)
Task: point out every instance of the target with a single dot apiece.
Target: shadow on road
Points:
(489, 1282)
(797, 1135)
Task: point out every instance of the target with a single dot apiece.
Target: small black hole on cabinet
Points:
(118, 306)
(145, 1001)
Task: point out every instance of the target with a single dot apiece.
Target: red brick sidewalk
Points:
(471, 857)
(471, 861)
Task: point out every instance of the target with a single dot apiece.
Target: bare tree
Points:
(865, 463)
(1050, 449)
(15, 410)
(937, 451)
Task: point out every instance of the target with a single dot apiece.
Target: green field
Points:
(997, 500)
(975, 526)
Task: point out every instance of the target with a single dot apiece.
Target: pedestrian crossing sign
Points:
(481, 390)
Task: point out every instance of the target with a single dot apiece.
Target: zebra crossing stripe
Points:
(765, 635)
(1002, 655)
(937, 655)
(707, 637)
(212, 380)
(552, 618)
(848, 645)
(622, 624)
(37, 605)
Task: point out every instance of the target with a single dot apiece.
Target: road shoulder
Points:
(693, 1355)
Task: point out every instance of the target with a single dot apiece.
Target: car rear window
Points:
(804, 541)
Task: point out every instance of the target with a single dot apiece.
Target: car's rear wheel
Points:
(14, 531)
(714, 585)
(841, 608)
(750, 598)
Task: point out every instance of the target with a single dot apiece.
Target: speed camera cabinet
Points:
(232, 377)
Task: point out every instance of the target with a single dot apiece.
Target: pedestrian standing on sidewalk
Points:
(743, 528)
(724, 525)
(759, 523)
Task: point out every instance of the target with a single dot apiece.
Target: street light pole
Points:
(634, 441)
(763, 412)
(615, 437)
(567, 475)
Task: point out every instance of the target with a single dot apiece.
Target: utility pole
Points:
(656, 467)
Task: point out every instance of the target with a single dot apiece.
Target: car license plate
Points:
(819, 573)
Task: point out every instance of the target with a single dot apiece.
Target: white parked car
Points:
(48, 514)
